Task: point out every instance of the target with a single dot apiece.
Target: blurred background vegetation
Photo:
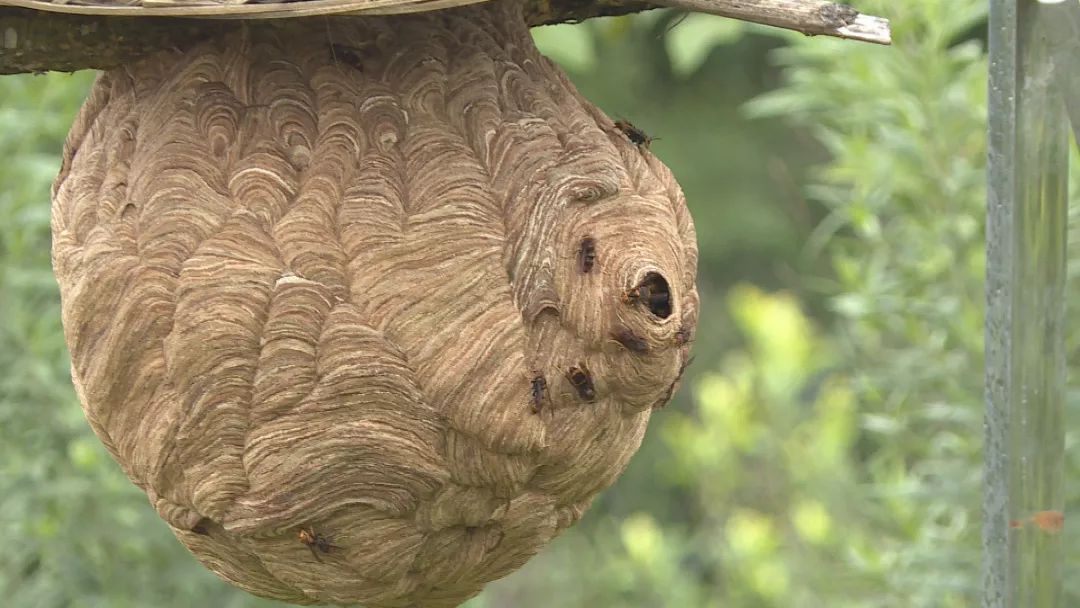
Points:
(826, 447)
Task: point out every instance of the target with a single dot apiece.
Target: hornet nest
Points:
(370, 307)
(370, 320)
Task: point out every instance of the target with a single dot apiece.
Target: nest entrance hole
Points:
(656, 294)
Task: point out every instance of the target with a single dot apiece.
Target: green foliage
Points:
(692, 37)
(843, 468)
(771, 438)
(905, 192)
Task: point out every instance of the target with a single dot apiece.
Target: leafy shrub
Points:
(843, 467)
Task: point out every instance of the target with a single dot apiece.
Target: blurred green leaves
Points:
(691, 38)
(570, 46)
(835, 459)
(772, 440)
(687, 38)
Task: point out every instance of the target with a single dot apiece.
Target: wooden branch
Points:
(103, 34)
(247, 9)
(811, 17)
(35, 41)
(40, 41)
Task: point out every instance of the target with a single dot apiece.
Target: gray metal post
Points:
(1023, 504)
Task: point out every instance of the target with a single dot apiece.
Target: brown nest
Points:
(370, 309)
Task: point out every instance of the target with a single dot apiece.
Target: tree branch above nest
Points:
(68, 35)
(810, 17)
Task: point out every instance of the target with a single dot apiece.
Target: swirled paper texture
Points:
(326, 280)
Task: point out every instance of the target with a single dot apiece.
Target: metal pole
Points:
(1023, 508)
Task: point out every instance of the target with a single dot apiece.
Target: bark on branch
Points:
(811, 17)
(37, 35)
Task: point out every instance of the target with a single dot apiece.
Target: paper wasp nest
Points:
(370, 309)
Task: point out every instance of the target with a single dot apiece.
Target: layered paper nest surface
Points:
(371, 310)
